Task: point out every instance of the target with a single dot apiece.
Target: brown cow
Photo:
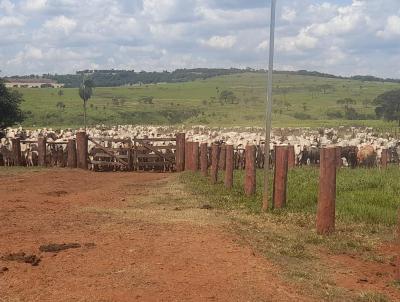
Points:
(366, 156)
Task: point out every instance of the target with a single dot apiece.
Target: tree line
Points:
(113, 77)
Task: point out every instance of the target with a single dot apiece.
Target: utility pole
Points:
(268, 115)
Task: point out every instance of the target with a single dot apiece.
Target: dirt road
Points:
(140, 239)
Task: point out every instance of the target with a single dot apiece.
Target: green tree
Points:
(10, 112)
(351, 114)
(313, 90)
(366, 102)
(228, 97)
(115, 101)
(225, 95)
(86, 92)
(388, 106)
(326, 87)
(60, 106)
(146, 100)
(287, 105)
(346, 102)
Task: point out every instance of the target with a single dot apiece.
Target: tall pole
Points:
(268, 115)
(84, 99)
(84, 109)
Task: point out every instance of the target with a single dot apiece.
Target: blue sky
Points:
(343, 37)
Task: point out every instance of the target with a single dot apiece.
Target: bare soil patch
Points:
(134, 244)
(21, 257)
(56, 247)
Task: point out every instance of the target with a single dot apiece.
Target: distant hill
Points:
(299, 101)
(114, 78)
(364, 78)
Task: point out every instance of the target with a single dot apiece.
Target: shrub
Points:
(351, 114)
(302, 116)
(334, 114)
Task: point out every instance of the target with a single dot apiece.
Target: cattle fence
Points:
(223, 158)
(159, 154)
(175, 153)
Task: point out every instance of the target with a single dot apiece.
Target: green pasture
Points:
(368, 196)
(300, 101)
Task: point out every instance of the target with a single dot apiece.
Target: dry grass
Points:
(167, 203)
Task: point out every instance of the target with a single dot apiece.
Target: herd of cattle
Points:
(359, 146)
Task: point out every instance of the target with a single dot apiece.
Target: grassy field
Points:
(363, 195)
(299, 101)
(367, 203)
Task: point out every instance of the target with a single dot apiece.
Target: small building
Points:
(31, 83)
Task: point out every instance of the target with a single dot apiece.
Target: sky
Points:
(343, 37)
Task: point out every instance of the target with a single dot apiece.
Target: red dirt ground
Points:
(133, 259)
(360, 275)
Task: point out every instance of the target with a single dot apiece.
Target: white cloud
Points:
(33, 53)
(28, 54)
(220, 42)
(61, 23)
(8, 21)
(170, 10)
(302, 41)
(167, 32)
(335, 36)
(324, 7)
(347, 19)
(7, 6)
(244, 18)
(392, 28)
(264, 45)
(334, 55)
(288, 14)
(34, 5)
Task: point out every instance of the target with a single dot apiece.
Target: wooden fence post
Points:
(214, 163)
(82, 150)
(180, 152)
(250, 170)
(327, 191)
(384, 158)
(291, 157)
(280, 177)
(195, 156)
(71, 153)
(204, 159)
(42, 150)
(338, 156)
(222, 158)
(229, 166)
(129, 153)
(188, 155)
(16, 151)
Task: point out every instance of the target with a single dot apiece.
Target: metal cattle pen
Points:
(136, 154)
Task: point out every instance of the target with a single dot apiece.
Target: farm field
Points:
(300, 101)
(175, 237)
